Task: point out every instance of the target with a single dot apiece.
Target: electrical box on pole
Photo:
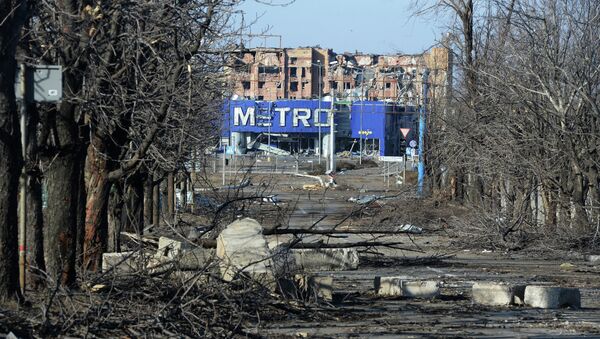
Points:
(43, 83)
(40, 83)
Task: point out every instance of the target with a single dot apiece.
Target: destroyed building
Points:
(312, 72)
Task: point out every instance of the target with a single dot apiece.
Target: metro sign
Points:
(305, 117)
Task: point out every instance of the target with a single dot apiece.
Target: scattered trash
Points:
(98, 288)
(273, 199)
(486, 251)
(408, 228)
(311, 187)
(364, 200)
(567, 266)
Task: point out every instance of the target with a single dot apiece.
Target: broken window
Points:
(293, 60)
(304, 84)
(347, 85)
(246, 84)
(268, 70)
(294, 86)
(388, 85)
(333, 84)
(293, 72)
(303, 72)
(260, 97)
(261, 84)
(278, 84)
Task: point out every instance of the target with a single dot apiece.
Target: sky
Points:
(368, 26)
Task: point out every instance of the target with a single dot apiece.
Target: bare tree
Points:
(12, 14)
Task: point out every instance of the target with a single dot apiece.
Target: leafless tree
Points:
(12, 16)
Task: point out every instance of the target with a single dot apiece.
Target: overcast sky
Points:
(369, 26)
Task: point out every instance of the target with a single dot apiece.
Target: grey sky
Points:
(369, 26)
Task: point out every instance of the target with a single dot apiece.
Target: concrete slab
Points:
(498, 294)
(326, 259)
(122, 262)
(552, 297)
(395, 286)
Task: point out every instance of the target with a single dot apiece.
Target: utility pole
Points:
(362, 105)
(422, 131)
(319, 114)
(332, 133)
(23, 181)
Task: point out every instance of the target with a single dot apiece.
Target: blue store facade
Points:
(294, 126)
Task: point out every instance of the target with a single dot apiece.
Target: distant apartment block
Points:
(313, 72)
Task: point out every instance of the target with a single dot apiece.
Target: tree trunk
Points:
(133, 216)
(148, 193)
(156, 204)
(62, 178)
(171, 196)
(115, 210)
(96, 223)
(34, 213)
(81, 210)
(35, 230)
(184, 188)
(10, 150)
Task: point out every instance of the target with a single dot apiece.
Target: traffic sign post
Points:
(405, 132)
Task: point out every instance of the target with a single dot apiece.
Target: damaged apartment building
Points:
(311, 72)
(282, 102)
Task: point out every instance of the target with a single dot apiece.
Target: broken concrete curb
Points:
(498, 294)
(552, 297)
(395, 286)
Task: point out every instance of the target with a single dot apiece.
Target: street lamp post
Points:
(362, 104)
(320, 91)
(332, 133)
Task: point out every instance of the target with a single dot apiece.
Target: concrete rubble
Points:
(241, 247)
(498, 294)
(552, 297)
(396, 286)
(122, 262)
(326, 259)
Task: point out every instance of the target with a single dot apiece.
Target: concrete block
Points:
(171, 247)
(395, 286)
(552, 297)
(498, 294)
(326, 259)
(122, 262)
(241, 246)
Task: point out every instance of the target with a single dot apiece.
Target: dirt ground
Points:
(357, 311)
(445, 252)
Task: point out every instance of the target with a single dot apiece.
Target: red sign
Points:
(405, 131)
